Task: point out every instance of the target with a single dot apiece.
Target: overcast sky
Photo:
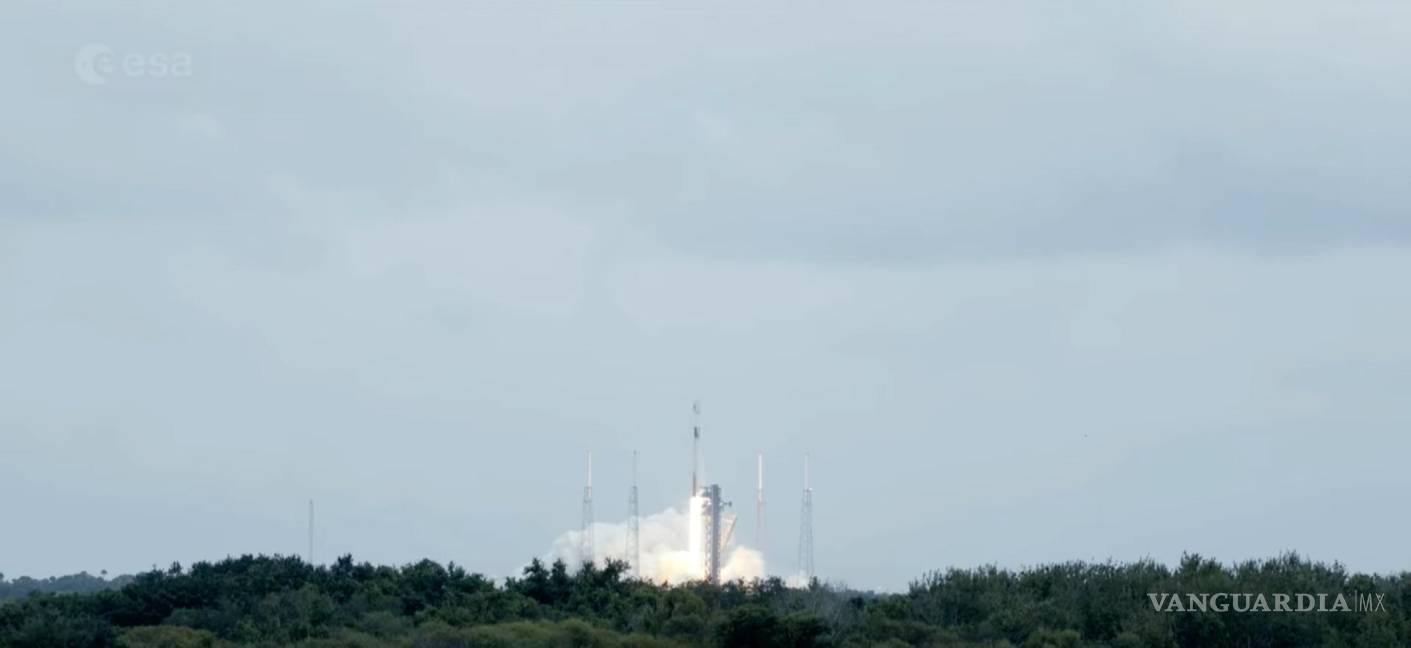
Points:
(1032, 282)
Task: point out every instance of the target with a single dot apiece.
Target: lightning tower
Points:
(587, 549)
(806, 527)
(634, 547)
(759, 505)
(311, 532)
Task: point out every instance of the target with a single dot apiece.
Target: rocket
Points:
(695, 446)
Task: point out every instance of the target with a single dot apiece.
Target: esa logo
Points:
(97, 64)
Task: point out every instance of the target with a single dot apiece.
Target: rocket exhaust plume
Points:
(662, 545)
(670, 546)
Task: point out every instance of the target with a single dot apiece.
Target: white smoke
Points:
(664, 540)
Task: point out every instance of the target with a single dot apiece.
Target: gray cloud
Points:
(930, 134)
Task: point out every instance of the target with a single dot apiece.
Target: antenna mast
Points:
(634, 551)
(311, 532)
(759, 505)
(587, 549)
(806, 527)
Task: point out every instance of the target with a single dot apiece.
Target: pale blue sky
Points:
(1032, 282)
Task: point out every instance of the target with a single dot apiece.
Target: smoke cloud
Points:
(663, 538)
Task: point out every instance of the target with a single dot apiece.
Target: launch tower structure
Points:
(714, 538)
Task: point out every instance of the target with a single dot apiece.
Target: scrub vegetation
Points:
(283, 601)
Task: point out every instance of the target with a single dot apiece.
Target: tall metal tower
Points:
(587, 549)
(634, 547)
(715, 538)
(806, 527)
(311, 532)
(759, 505)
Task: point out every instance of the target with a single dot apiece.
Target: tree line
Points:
(269, 601)
(80, 583)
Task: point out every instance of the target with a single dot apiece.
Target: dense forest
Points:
(282, 601)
